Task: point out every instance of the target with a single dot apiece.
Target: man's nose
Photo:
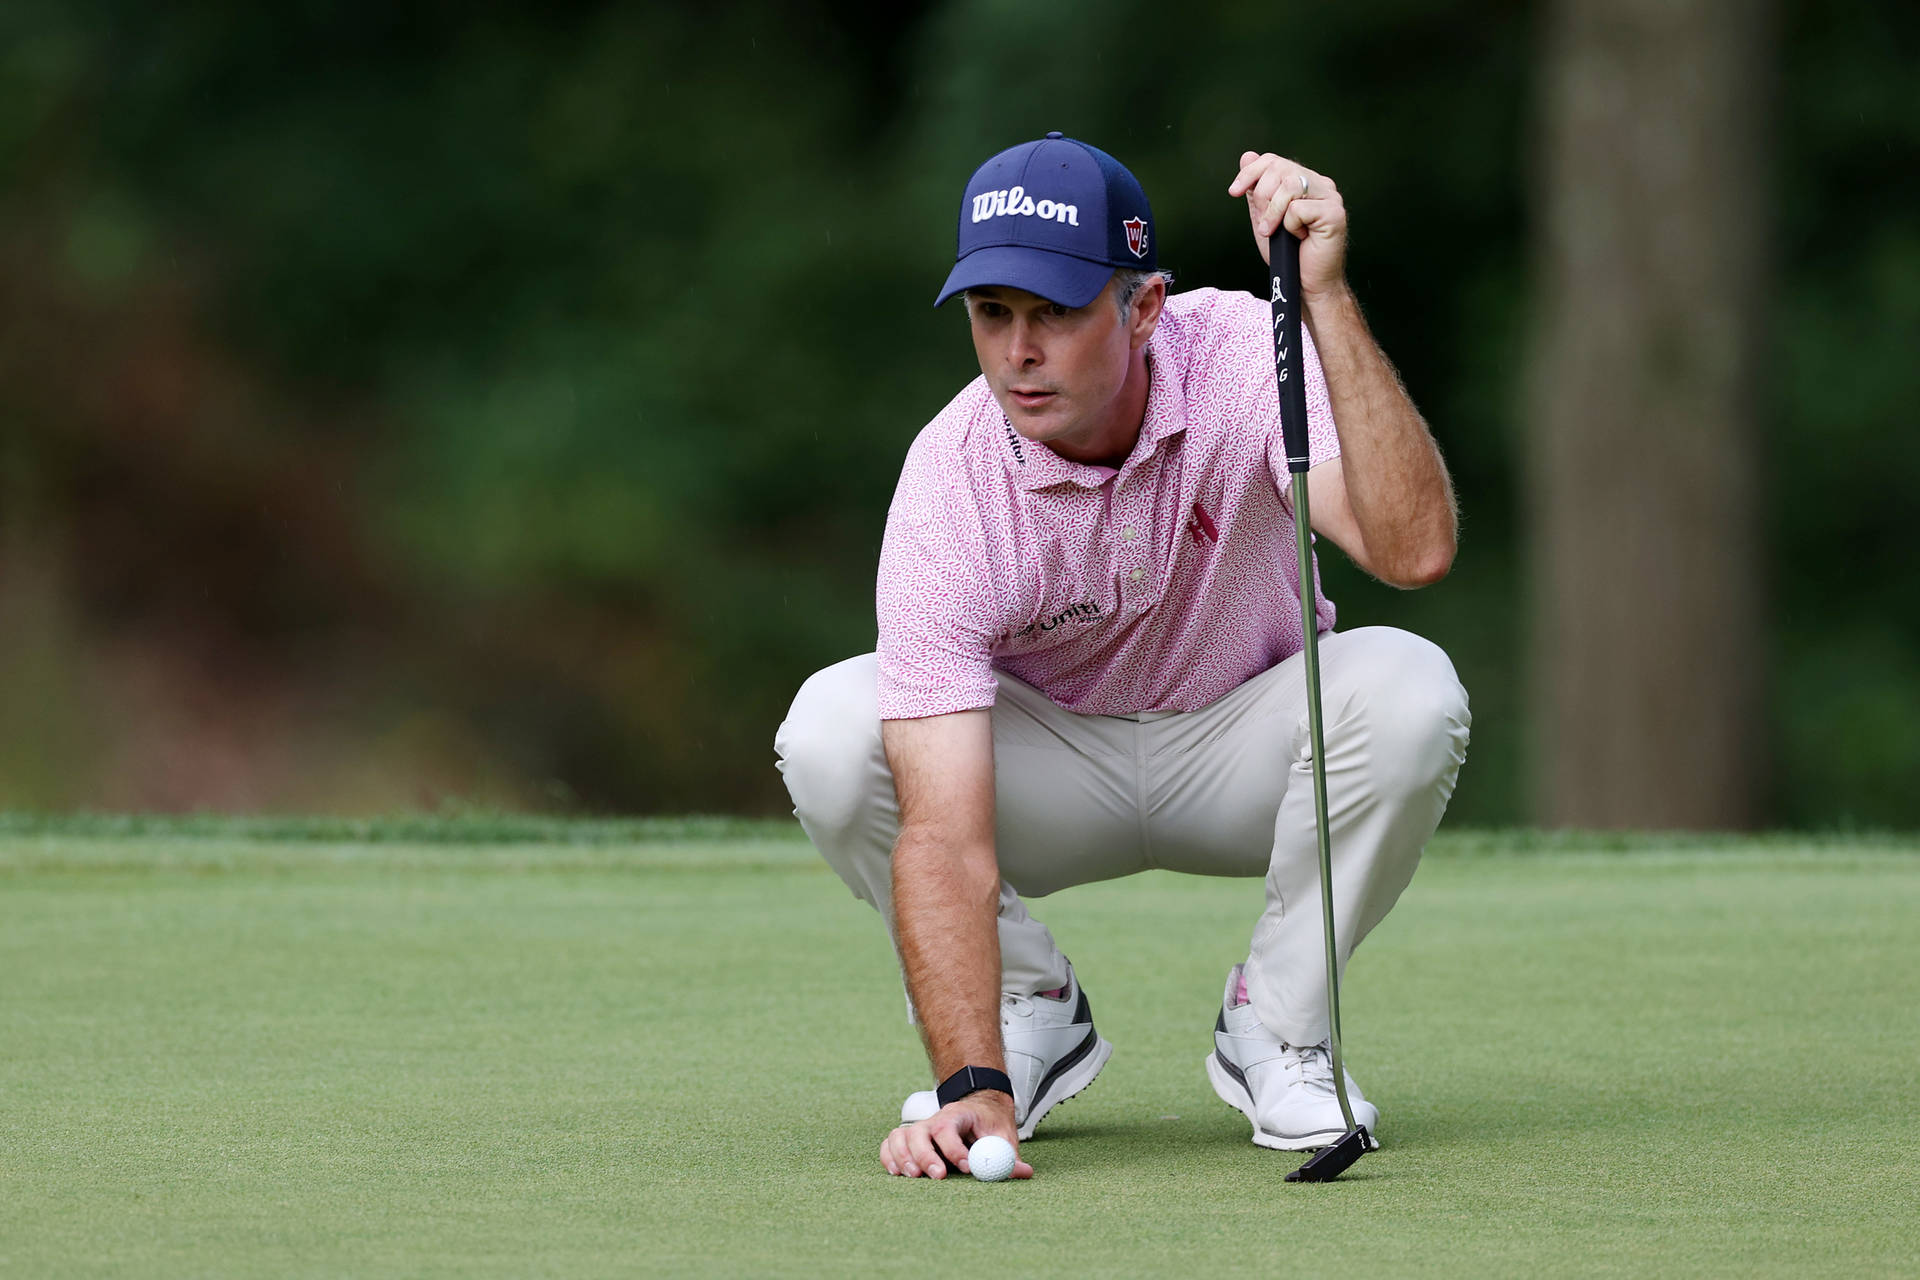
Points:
(1023, 350)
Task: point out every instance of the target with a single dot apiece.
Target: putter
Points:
(1283, 251)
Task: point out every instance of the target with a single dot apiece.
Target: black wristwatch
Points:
(971, 1080)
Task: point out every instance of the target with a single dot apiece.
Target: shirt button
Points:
(1128, 535)
(1138, 574)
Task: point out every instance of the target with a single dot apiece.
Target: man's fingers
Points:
(1276, 177)
(921, 1155)
(893, 1151)
(1304, 214)
(900, 1155)
(1289, 207)
(934, 1149)
(1250, 170)
(1253, 167)
(910, 1152)
(1271, 184)
(1274, 212)
(1271, 171)
(951, 1145)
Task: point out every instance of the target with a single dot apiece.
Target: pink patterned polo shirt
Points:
(1161, 586)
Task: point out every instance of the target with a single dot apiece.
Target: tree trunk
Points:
(1647, 631)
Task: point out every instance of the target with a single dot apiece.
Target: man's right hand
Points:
(946, 903)
(937, 1146)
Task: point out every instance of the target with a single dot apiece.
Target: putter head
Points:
(1330, 1162)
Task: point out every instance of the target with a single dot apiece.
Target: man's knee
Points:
(828, 744)
(1416, 710)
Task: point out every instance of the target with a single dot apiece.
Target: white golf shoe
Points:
(1052, 1051)
(1285, 1090)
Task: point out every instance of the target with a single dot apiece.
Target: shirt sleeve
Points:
(934, 604)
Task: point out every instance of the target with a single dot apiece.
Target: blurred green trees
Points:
(502, 401)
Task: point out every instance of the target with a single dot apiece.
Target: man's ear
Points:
(1147, 305)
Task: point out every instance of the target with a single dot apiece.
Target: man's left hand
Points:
(1272, 186)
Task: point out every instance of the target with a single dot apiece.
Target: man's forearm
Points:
(1396, 484)
(946, 907)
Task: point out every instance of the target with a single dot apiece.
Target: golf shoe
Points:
(1052, 1049)
(1285, 1090)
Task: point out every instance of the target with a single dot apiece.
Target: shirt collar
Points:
(1036, 467)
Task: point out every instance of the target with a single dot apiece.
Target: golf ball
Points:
(919, 1106)
(991, 1159)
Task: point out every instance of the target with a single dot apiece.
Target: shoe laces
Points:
(1311, 1064)
(1013, 1006)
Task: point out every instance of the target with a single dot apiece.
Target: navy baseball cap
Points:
(1053, 217)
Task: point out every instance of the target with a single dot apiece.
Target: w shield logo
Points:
(1201, 525)
(1136, 229)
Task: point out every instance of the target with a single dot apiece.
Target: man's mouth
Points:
(1029, 399)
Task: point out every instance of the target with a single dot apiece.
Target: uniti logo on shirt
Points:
(1016, 201)
(1085, 610)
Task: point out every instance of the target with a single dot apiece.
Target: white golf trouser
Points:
(1226, 790)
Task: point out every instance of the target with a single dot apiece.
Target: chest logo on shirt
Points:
(1086, 609)
(1201, 525)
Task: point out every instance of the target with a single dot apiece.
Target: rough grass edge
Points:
(491, 828)
(463, 827)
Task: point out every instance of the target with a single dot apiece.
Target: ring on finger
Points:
(1303, 184)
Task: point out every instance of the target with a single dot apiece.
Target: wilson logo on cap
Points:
(1065, 248)
(1015, 201)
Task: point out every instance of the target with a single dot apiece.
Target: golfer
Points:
(1089, 658)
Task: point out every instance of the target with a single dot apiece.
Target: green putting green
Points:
(511, 1047)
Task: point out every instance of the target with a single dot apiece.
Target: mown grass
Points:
(483, 1045)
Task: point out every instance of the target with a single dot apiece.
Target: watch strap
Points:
(971, 1080)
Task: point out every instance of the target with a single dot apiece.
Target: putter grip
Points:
(1283, 249)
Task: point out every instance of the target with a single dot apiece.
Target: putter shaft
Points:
(1309, 624)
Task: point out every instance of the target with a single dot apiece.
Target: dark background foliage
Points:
(499, 403)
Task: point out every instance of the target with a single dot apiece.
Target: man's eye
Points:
(1057, 309)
